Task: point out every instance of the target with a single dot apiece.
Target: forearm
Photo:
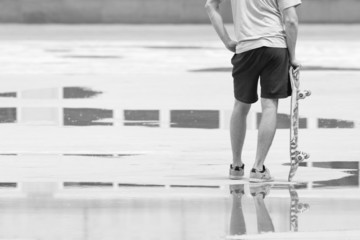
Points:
(291, 29)
(212, 8)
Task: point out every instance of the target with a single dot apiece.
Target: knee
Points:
(269, 103)
(242, 107)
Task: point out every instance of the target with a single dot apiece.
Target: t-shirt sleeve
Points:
(284, 4)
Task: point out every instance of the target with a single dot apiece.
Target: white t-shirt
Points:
(258, 23)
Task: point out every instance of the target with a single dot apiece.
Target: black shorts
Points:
(271, 65)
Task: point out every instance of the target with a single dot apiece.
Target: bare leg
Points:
(237, 221)
(264, 221)
(267, 130)
(238, 130)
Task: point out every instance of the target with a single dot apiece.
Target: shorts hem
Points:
(276, 96)
(246, 101)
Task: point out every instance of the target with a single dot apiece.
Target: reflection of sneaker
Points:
(260, 189)
(237, 172)
(260, 176)
(237, 189)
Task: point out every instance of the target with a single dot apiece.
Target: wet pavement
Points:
(109, 135)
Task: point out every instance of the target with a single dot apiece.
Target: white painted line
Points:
(252, 120)
(165, 119)
(312, 123)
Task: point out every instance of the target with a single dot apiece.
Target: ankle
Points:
(240, 165)
(259, 168)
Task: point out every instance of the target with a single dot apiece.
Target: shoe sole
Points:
(236, 177)
(258, 180)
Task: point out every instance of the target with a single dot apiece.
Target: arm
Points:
(291, 28)
(212, 8)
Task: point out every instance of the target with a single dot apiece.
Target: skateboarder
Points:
(266, 34)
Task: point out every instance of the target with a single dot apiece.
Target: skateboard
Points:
(296, 156)
(295, 208)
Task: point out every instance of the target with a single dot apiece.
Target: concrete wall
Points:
(154, 11)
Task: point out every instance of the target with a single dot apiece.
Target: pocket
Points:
(233, 58)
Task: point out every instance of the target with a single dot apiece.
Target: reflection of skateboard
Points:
(295, 209)
(296, 156)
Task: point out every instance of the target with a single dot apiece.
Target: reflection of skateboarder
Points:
(264, 222)
(266, 34)
(260, 191)
(237, 223)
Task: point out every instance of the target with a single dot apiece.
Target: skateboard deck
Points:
(296, 156)
(295, 208)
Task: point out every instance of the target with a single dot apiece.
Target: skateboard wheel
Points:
(305, 155)
(302, 207)
(301, 156)
(304, 94)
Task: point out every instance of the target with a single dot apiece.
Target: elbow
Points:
(291, 22)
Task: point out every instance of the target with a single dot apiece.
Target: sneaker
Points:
(237, 172)
(260, 189)
(260, 176)
(237, 190)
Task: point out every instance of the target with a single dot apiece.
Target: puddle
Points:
(283, 121)
(237, 211)
(265, 220)
(183, 118)
(193, 186)
(101, 155)
(335, 123)
(345, 182)
(8, 95)
(92, 57)
(147, 118)
(206, 119)
(177, 47)
(8, 185)
(79, 92)
(140, 185)
(87, 117)
(87, 184)
(200, 119)
(8, 115)
(221, 211)
(304, 68)
(349, 167)
(58, 50)
(54, 93)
